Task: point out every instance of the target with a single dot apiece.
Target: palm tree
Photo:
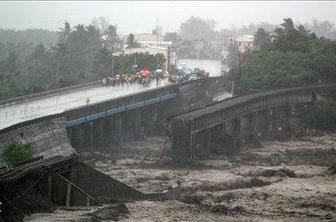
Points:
(80, 28)
(93, 32)
(288, 25)
(131, 42)
(112, 37)
(262, 38)
(303, 31)
(64, 32)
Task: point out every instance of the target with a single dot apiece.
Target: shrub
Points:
(321, 116)
(17, 153)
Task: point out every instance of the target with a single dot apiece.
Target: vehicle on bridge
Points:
(186, 74)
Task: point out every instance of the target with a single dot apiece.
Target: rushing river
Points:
(211, 66)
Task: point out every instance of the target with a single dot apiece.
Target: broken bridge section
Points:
(227, 124)
(53, 176)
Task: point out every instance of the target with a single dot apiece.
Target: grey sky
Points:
(141, 16)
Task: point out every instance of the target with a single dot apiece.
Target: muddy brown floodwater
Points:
(279, 181)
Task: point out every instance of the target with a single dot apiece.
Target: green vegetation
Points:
(29, 36)
(80, 54)
(17, 153)
(35, 60)
(199, 38)
(290, 56)
(321, 116)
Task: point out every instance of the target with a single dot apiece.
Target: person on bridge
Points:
(157, 77)
(87, 100)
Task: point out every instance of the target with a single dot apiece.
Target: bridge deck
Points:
(191, 132)
(26, 110)
(246, 98)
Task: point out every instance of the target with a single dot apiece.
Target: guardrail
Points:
(115, 104)
(102, 106)
(125, 108)
(40, 95)
(238, 100)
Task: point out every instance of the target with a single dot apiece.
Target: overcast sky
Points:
(141, 16)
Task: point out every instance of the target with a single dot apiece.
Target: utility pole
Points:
(57, 68)
(26, 81)
(57, 75)
(157, 61)
(238, 74)
(168, 60)
(112, 65)
(134, 66)
(86, 73)
(157, 32)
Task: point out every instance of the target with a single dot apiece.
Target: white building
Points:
(147, 39)
(152, 44)
(244, 42)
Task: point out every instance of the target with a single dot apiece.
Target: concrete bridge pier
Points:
(274, 122)
(109, 130)
(232, 137)
(74, 135)
(201, 144)
(262, 124)
(105, 132)
(236, 137)
(127, 126)
(217, 140)
(150, 118)
(138, 128)
(228, 128)
(85, 136)
(99, 134)
(117, 131)
(281, 122)
(247, 127)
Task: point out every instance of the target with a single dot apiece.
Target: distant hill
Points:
(34, 36)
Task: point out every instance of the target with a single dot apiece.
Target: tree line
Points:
(290, 55)
(37, 60)
(80, 54)
(200, 38)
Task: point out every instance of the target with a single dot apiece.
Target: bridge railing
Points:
(239, 100)
(40, 95)
(103, 106)
(124, 101)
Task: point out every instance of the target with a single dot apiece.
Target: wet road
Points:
(23, 111)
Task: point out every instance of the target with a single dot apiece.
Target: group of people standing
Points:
(143, 77)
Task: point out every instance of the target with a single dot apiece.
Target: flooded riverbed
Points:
(278, 181)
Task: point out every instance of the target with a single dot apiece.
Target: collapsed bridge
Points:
(249, 117)
(53, 175)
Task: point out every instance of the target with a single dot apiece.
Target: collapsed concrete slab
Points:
(52, 176)
(101, 186)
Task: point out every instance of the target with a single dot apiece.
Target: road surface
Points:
(23, 111)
